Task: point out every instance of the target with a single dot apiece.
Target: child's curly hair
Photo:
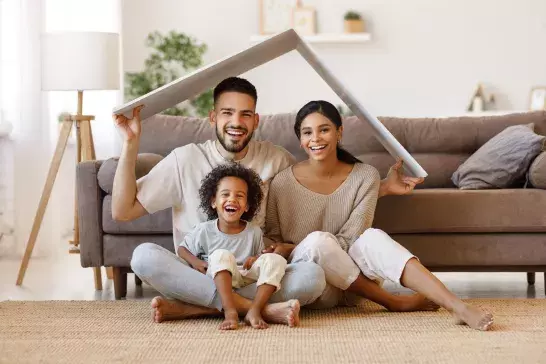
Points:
(209, 187)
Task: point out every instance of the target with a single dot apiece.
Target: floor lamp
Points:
(74, 61)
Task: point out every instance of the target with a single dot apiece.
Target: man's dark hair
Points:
(209, 187)
(235, 84)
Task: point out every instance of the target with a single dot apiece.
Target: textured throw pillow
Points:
(502, 161)
(537, 171)
(144, 163)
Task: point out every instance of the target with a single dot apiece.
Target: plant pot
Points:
(354, 26)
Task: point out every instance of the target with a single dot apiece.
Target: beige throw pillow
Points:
(537, 171)
(502, 161)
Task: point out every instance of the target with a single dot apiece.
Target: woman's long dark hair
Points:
(329, 111)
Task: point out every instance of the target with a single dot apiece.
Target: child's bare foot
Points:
(231, 321)
(254, 319)
(414, 302)
(474, 317)
(166, 310)
(286, 313)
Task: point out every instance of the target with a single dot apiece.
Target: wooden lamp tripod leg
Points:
(75, 242)
(46, 193)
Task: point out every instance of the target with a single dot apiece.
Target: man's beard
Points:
(230, 146)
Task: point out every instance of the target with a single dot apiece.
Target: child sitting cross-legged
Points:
(228, 248)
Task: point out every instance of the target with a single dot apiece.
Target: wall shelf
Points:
(342, 38)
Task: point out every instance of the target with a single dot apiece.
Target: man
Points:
(175, 182)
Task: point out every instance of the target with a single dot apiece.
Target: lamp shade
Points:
(80, 61)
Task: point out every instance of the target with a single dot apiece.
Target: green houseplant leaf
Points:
(172, 56)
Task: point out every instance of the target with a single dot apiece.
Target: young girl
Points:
(326, 204)
(227, 248)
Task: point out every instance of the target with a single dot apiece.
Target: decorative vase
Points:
(354, 26)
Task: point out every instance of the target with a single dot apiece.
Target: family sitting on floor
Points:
(257, 234)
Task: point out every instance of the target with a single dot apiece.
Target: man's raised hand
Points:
(129, 128)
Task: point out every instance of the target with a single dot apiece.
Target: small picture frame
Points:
(538, 98)
(303, 20)
(275, 15)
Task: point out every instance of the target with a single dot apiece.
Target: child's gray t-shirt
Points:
(206, 238)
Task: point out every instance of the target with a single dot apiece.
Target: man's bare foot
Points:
(286, 313)
(231, 321)
(414, 302)
(474, 317)
(254, 319)
(166, 310)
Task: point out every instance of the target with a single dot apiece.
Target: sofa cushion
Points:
(502, 161)
(144, 163)
(462, 135)
(451, 210)
(157, 223)
(457, 135)
(475, 252)
(537, 171)
(163, 133)
(118, 249)
(440, 166)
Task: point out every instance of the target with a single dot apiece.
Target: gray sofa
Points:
(449, 229)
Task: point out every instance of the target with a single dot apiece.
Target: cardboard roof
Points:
(209, 76)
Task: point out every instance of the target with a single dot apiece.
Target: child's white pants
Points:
(267, 269)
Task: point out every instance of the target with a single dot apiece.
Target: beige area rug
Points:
(122, 332)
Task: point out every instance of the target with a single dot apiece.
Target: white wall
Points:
(425, 58)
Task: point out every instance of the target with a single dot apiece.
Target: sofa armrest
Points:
(90, 198)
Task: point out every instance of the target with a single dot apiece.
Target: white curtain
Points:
(21, 104)
(34, 114)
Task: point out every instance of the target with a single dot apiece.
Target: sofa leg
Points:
(120, 283)
(138, 281)
(531, 278)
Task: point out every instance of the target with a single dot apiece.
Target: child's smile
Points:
(231, 199)
(232, 212)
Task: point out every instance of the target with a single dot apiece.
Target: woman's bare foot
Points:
(414, 302)
(474, 317)
(286, 313)
(231, 321)
(166, 310)
(254, 319)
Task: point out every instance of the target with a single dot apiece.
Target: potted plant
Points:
(353, 22)
(173, 55)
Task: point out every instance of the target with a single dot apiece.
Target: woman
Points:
(328, 203)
